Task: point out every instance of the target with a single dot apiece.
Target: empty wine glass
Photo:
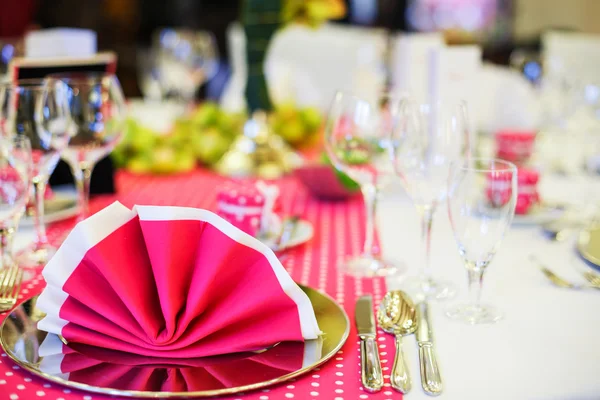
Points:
(357, 135)
(481, 205)
(426, 140)
(185, 59)
(37, 109)
(98, 111)
(17, 169)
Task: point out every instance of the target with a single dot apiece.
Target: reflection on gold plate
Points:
(588, 245)
(137, 376)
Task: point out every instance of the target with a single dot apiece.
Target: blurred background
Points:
(123, 26)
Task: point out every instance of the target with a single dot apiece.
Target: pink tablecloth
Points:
(339, 232)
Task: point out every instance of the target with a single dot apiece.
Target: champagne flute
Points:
(18, 169)
(37, 109)
(98, 111)
(481, 205)
(357, 135)
(426, 140)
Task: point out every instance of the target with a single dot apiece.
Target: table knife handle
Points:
(430, 373)
(371, 375)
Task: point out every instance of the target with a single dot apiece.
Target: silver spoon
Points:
(397, 315)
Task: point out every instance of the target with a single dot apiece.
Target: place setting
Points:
(282, 199)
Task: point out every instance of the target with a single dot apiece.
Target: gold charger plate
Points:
(21, 340)
(588, 245)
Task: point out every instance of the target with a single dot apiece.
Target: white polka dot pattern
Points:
(339, 232)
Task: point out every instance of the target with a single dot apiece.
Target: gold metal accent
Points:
(10, 285)
(19, 328)
(258, 153)
(397, 316)
(561, 282)
(592, 278)
(371, 374)
(588, 245)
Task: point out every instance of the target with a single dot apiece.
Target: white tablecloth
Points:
(546, 347)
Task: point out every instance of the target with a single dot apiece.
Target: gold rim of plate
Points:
(588, 245)
(320, 301)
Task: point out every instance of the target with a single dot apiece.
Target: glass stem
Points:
(6, 240)
(83, 178)
(370, 193)
(39, 189)
(475, 277)
(426, 222)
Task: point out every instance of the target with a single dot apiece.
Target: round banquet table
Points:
(544, 348)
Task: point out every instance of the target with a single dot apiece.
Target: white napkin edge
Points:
(312, 352)
(308, 322)
(52, 356)
(83, 237)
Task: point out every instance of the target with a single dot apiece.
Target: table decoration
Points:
(258, 152)
(100, 370)
(208, 303)
(250, 207)
(515, 146)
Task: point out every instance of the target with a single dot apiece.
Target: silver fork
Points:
(10, 285)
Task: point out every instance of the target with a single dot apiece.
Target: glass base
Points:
(470, 314)
(36, 257)
(367, 266)
(422, 288)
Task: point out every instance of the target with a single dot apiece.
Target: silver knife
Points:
(430, 373)
(371, 375)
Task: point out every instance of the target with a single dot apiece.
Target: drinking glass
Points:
(185, 59)
(98, 110)
(16, 170)
(481, 206)
(426, 140)
(37, 109)
(357, 136)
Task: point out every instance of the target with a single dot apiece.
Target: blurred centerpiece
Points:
(258, 151)
(257, 142)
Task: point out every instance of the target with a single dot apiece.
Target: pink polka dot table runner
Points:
(339, 233)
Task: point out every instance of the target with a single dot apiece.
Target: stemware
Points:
(97, 108)
(185, 59)
(16, 170)
(481, 205)
(357, 135)
(38, 110)
(426, 140)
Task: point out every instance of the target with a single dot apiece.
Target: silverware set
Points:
(593, 279)
(399, 316)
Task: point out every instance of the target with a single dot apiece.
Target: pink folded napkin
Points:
(170, 282)
(106, 368)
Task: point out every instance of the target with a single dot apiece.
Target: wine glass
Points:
(481, 205)
(98, 111)
(185, 59)
(37, 109)
(357, 135)
(16, 171)
(426, 140)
